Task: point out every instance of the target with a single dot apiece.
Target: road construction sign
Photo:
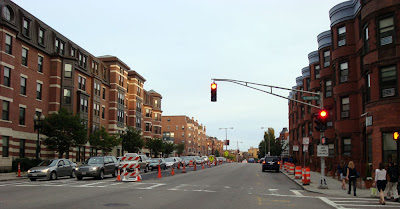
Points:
(211, 158)
(226, 153)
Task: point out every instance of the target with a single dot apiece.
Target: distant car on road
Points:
(250, 160)
(154, 162)
(262, 160)
(171, 162)
(271, 163)
(98, 167)
(52, 169)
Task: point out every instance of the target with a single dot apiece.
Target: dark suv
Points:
(271, 163)
(98, 167)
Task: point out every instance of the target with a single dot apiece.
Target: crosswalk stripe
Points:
(331, 203)
(273, 191)
(297, 193)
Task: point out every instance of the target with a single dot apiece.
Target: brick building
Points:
(42, 71)
(356, 68)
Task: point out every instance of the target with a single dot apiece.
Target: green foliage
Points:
(63, 130)
(132, 140)
(180, 148)
(25, 163)
(168, 148)
(155, 145)
(269, 139)
(102, 140)
(216, 153)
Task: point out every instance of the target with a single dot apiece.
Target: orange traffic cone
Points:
(179, 165)
(195, 167)
(215, 163)
(202, 165)
(183, 171)
(19, 170)
(119, 175)
(138, 178)
(172, 171)
(159, 172)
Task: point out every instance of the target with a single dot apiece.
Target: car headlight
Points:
(29, 171)
(93, 168)
(45, 170)
(77, 169)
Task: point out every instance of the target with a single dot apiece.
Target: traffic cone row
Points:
(159, 172)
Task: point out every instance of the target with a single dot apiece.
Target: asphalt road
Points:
(225, 186)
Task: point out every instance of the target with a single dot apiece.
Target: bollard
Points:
(297, 174)
(19, 170)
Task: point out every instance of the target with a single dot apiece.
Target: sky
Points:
(179, 46)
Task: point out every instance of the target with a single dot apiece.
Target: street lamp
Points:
(226, 135)
(38, 124)
(265, 143)
(237, 153)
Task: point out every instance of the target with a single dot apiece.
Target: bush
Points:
(26, 163)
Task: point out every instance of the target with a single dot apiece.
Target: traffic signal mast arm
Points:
(246, 84)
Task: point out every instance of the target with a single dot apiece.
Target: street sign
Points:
(211, 158)
(310, 97)
(296, 148)
(305, 148)
(322, 151)
(226, 153)
(306, 140)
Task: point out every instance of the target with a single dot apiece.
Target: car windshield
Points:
(96, 160)
(48, 163)
(269, 159)
(155, 160)
(169, 160)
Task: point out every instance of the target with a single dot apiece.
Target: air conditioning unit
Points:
(343, 79)
(342, 42)
(386, 40)
(317, 76)
(388, 92)
(345, 114)
(328, 94)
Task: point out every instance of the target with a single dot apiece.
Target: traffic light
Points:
(320, 120)
(323, 140)
(396, 135)
(213, 92)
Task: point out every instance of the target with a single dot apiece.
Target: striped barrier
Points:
(297, 172)
(130, 163)
(306, 178)
(291, 169)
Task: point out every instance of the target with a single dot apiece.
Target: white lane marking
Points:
(376, 206)
(178, 187)
(297, 193)
(86, 185)
(115, 184)
(327, 201)
(151, 187)
(273, 191)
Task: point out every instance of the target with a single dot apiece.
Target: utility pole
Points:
(265, 144)
(226, 136)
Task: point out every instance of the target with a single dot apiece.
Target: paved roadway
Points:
(225, 186)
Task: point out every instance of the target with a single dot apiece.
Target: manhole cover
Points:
(116, 204)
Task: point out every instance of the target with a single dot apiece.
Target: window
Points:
(95, 67)
(24, 56)
(388, 81)
(342, 36)
(82, 60)
(104, 73)
(331, 149)
(6, 111)
(328, 88)
(148, 127)
(344, 72)
(40, 64)
(39, 91)
(22, 148)
(21, 116)
(386, 31)
(41, 36)
(308, 84)
(103, 109)
(345, 107)
(84, 105)
(67, 70)
(368, 87)
(138, 123)
(346, 146)
(23, 86)
(389, 147)
(26, 27)
(327, 58)
(148, 113)
(7, 77)
(7, 13)
(67, 96)
(8, 44)
(82, 83)
(310, 128)
(302, 111)
(62, 48)
(369, 148)
(5, 146)
(366, 38)
(72, 52)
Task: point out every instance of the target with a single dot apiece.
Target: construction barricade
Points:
(291, 168)
(130, 168)
(306, 178)
(297, 172)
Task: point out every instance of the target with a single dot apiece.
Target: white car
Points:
(205, 158)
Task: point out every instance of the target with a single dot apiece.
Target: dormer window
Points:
(41, 36)
(7, 13)
(26, 27)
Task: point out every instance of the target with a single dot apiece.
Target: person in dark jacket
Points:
(352, 177)
(342, 169)
(393, 175)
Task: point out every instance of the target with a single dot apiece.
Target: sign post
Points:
(322, 151)
(306, 141)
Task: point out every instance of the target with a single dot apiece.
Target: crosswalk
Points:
(344, 203)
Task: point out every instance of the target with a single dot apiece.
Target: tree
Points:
(102, 140)
(269, 140)
(132, 140)
(63, 130)
(180, 148)
(216, 153)
(155, 145)
(168, 148)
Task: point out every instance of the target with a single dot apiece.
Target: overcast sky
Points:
(179, 46)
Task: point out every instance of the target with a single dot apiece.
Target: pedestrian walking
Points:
(342, 169)
(380, 182)
(393, 175)
(352, 176)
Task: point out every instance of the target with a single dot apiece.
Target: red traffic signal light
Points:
(320, 120)
(213, 92)
(323, 114)
(395, 135)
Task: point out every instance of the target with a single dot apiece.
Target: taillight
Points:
(263, 162)
(279, 162)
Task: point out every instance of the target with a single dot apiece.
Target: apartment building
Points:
(356, 68)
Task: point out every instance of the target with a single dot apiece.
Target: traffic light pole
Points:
(322, 184)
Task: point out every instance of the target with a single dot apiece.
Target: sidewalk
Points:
(334, 186)
(12, 176)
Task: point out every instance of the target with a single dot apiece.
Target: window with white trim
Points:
(342, 36)
(388, 81)
(345, 107)
(344, 72)
(386, 31)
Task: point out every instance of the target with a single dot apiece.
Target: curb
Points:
(301, 185)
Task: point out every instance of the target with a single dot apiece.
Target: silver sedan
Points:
(52, 169)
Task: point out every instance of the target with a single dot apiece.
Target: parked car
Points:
(187, 159)
(52, 169)
(98, 167)
(171, 162)
(250, 160)
(154, 162)
(262, 160)
(205, 159)
(198, 159)
(271, 163)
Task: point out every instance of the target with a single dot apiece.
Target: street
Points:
(231, 185)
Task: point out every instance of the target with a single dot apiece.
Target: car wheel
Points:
(263, 170)
(115, 173)
(73, 174)
(101, 175)
(53, 175)
(32, 179)
(277, 170)
(79, 177)
(165, 167)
